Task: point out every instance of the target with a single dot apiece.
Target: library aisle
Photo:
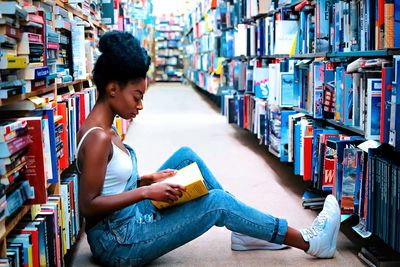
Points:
(175, 115)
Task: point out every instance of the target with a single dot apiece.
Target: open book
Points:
(190, 177)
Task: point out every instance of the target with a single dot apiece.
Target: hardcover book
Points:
(190, 177)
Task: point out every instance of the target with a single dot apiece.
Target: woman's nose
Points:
(140, 105)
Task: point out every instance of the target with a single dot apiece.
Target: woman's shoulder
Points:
(93, 135)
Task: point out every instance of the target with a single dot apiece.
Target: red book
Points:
(329, 173)
(307, 158)
(35, 242)
(329, 167)
(35, 172)
(62, 111)
(380, 26)
(300, 6)
(245, 112)
(82, 115)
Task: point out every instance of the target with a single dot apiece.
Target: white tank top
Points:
(119, 169)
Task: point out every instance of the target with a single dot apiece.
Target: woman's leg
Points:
(185, 156)
(181, 224)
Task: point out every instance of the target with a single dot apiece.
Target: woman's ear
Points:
(112, 89)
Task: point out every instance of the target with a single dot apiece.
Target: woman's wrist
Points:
(144, 192)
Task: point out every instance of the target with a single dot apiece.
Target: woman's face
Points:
(128, 99)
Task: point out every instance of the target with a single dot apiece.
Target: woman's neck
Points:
(102, 115)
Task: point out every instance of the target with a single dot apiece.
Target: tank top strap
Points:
(81, 142)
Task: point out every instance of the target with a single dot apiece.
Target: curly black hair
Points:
(122, 60)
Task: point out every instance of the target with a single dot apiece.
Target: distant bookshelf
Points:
(169, 32)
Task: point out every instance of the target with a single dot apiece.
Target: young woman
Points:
(123, 227)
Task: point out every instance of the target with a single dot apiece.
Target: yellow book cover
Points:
(30, 256)
(190, 177)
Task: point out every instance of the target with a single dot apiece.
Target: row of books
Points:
(203, 63)
(357, 94)
(199, 15)
(204, 80)
(48, 231)
(313, 27)
(321, 113)
(34, 54)
(349, 166)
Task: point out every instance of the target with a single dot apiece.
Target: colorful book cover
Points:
(350, 164)
(318, 89)
(284, 134)
(322, 33)
(339, 93)
(288, 98)
(315, 150)
(297, 144)
(49, 116)
(35, 173)
(260, 83)
(293, 119)
(387, 79)
(329, 94)
(13, 146)
(62, 111)
(307, 157)
(285, 36)
(394, 138)
(374, 94)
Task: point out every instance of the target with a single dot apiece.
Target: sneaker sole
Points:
(238, 247)
(335, 237)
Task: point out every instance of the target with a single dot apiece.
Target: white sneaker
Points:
(323, 232)
(241, 242)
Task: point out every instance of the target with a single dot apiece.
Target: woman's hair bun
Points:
(122, 60)
(113, 41)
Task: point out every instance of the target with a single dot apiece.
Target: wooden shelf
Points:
(21, 97)
(344, 127)
(80, 15)
(14, 220)
(63, 85)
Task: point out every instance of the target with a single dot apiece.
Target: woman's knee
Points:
(219, 198)
(186, 152)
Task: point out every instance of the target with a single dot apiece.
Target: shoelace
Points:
(317, 226)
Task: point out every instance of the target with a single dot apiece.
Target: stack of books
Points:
(313, 199)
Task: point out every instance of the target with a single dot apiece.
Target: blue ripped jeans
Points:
(140, 233)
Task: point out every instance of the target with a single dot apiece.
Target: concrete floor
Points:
(175, 116)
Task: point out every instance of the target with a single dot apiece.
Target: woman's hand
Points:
(156, 177)
(165, 192)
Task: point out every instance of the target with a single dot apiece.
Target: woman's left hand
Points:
(157, 176)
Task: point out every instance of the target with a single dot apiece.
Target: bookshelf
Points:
(50, 93)
(168, 48)
(310, 80)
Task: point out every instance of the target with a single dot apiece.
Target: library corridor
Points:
(176, 115)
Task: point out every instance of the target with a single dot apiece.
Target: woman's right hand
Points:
(165, 192)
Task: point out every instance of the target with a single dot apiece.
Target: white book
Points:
(67, 216)
(285, 36)
(47, 150)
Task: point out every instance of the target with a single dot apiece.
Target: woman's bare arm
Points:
(93, 159)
